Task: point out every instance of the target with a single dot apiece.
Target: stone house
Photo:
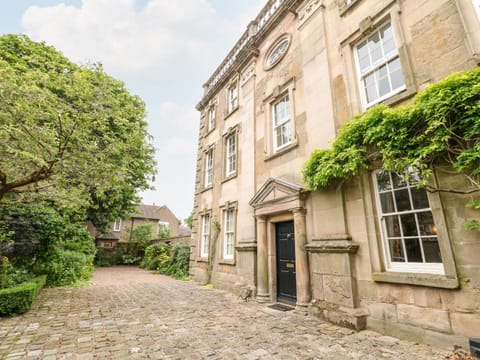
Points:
(300, 70)
(161, 218)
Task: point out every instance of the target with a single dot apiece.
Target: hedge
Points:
(19, 299)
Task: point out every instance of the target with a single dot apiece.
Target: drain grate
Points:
(280, 307)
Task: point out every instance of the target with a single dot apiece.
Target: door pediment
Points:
(274, 191)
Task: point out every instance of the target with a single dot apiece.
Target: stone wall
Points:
(348, 281)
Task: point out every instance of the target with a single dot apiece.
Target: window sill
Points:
(226, 262)
(209, 187)
(431, 280)
(401, 96)
(282, 151)
(208, 132)
(228, 114)
(202, 260)
(229, 177)
(393, 98)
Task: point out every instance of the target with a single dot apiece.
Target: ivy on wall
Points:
(441, 125)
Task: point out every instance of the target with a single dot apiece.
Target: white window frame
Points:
(231, 146)
(117, 225)
(384, 60)
(286, 121)
(232, 96)
(229, 224)
(205, 237)
(208, 179)
(211, 118)
(405, 267)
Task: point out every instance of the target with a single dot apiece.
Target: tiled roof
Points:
(147, 212)
(185, 231)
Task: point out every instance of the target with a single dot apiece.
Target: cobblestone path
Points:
(129, 313)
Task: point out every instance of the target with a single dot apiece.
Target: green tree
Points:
(141, 235)
(441, 126)
(189, 221)
(70, 134)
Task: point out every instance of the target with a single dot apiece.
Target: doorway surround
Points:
(279, 201)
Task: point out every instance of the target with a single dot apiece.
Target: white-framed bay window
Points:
(409, 234)
(282, 123)
(205, 236)
(379, 69)
(229, 222)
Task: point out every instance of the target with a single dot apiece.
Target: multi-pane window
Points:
(232, 97)
(205, 239)
(229, 234)
(378, 64)
(282, 123)
(231, 155)
(211, 118)
(208, 168)
(409, 231)
(117, 225)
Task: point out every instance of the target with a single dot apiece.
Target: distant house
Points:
(161, 218)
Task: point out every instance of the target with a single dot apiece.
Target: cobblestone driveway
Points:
(129, 313)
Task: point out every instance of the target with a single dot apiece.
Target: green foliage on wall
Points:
(441, 126)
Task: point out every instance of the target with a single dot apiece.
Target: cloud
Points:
(179, 146)
(162, 37)
(184, 117)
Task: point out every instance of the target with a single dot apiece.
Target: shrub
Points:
(18, 299)
(179, 261)
(129, 259)
(66, 268)
(156, 256)
(104, 259)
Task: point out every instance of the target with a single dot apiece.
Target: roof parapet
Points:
(254, 27)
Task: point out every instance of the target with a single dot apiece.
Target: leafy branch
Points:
(441, 126)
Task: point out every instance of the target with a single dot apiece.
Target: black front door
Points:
(286, 274)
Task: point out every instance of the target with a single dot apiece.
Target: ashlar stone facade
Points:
(376, 253)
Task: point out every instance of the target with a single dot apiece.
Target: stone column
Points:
(301, 260)
(262, 264)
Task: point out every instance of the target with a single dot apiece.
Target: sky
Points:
(164, 51)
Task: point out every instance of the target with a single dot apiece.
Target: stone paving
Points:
(129, 313)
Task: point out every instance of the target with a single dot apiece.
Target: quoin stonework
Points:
(377, 252)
